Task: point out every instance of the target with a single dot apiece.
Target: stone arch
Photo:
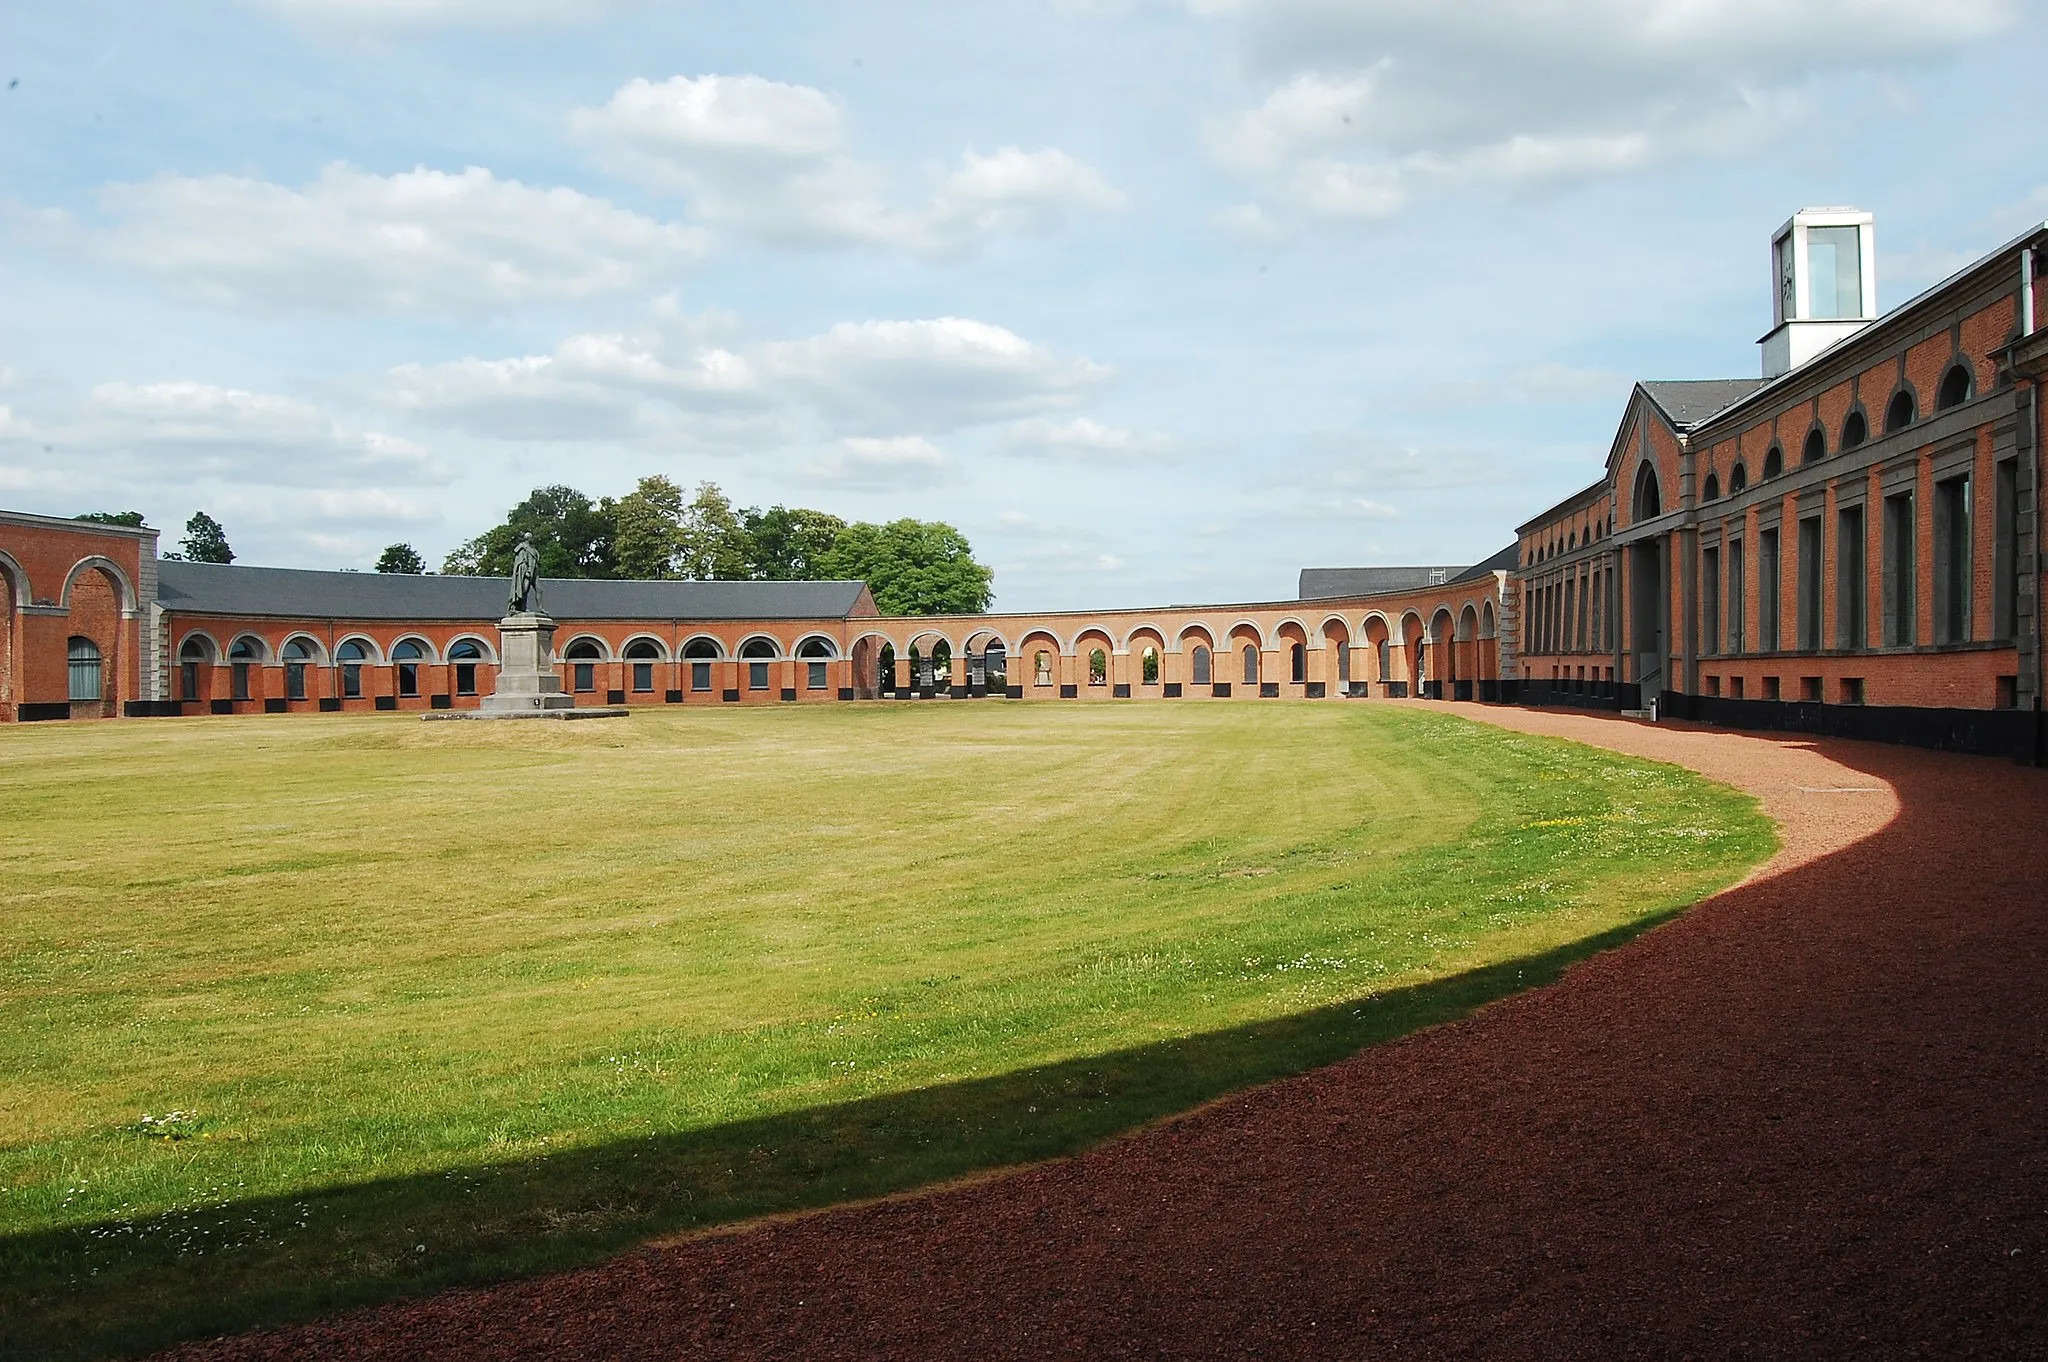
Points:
(1336, 635)
(1290, 637)
(207, 650)
(124, 588)
(866, 654)
(486, 650)
(817, 648)
(1146, 647)
(1377, 633)
(1039, 652)
(316, 651)
(1094, 656)
(1413, 635)
(760, 648)
(634, 641)
(1247, 646)
(704, 648)
(428, 652)
(250, 646)
(1647, 501)
(371, 653)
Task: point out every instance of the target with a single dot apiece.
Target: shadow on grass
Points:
(128, 1287)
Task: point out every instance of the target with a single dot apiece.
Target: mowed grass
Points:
(438, 1002)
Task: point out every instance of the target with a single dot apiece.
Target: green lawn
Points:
(436, 1002)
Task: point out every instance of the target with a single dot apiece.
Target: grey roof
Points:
(1322, 583)
(1689, 402)
(1506, 560)
(293, 593)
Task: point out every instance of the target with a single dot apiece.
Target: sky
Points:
(1159, 301)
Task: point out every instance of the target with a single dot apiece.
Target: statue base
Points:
(527, 685)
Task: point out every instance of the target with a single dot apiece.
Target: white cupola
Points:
(1823, 285)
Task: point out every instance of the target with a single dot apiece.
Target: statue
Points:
(525, 594)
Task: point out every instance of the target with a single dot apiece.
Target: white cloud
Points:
(1084, 440)
(884, 464)
(772, 160)
(882, 378)
(1377, 102)
(422, 240)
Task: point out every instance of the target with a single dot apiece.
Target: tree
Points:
(206, 541)
(132, 519)
(573, 535)
(648, 529)
(402, 558)
(714, 544)
(913, 567)
(788, 545)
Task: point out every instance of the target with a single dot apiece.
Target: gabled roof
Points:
(1322, 583)
(1691, 402)
(293, 593)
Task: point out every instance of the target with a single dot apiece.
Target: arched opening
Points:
(1098, 667)
(641, 655)
(1465, 663)
(465, 654)
(1250, 653)
(1816, 447)
(406, 657)
(1297, 663)
(1442, 677)
(352, 656)
(1955, 388)
(195, 668)
(757, 655)
(1712, 491)
(1337, 638)
(244, 655)
(584, 655)
(885, 670)
(83, 656)
(700, 655)
(1738, 478)
(865, 669)
(1646, 615)
(299, 654)
(988, 671)
(1649, 501)
(1855, 430)
(1199, 669)
(815, 654)
(1414, 644)
(1898, 414)
(1041, 667)
(1774, 462)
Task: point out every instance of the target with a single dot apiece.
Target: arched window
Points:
(1200, 666)
(1713, 488)
(84, 657)
(1098, 668)
(351, 656)
(1955, 388)
(758, 652)
(465, 654)
(243, 654)
(1816, 447)
(1648, 503)
(1297, 663)
(815, 647)
(816, 651)
(1855, 430)
(642, 654)
(758, 648)
(191, 653)
(701, 650)
(1899, 413)
(298, 652)
(584, 655)
(1251, 664)
(1738, 478)
(245, 649)
(406, 655)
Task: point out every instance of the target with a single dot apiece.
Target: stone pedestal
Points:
(527, 683)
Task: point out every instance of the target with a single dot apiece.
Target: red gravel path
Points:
(1805, 1120)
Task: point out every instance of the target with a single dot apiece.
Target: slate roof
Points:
(1322, 583)
(294, 593)
(1690, 402)
(1506, 560)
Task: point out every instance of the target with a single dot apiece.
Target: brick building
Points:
(1846, 543)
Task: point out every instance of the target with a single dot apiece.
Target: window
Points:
(1041, 668)
(1900, 607)
(1816, 447)
(1148, 667)
(1855, 430)
(188, 680)
(239, 680)
(1251, 664)
(1713, 488)
(1201, 665)
(757, 676)
(1098, 668)
(84, 658)
(465, 654)
(814, 675)
(1297, 663)
(407, 654)
(1955, 388)
(1648, 501)
(297, 654)
(1344, 663)
(757, 651)
(1899, 413)
(700, 649)
(2005, 576)
(700, 676)
(1849, 578)
(243, 654)
(352, 655)
(1738, 478)
(1738, 587)
(1774, 462)
(1952, 560)
(642, 654)
(1810, 579)
(1834, 273)
(1767, 590)
(1710, 600)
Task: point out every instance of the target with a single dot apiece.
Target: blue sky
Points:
(1157, 301)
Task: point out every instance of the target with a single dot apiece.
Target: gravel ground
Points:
(1804, 1120)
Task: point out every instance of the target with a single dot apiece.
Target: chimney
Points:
(1824, 285)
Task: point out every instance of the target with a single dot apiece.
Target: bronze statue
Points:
(525, 594)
